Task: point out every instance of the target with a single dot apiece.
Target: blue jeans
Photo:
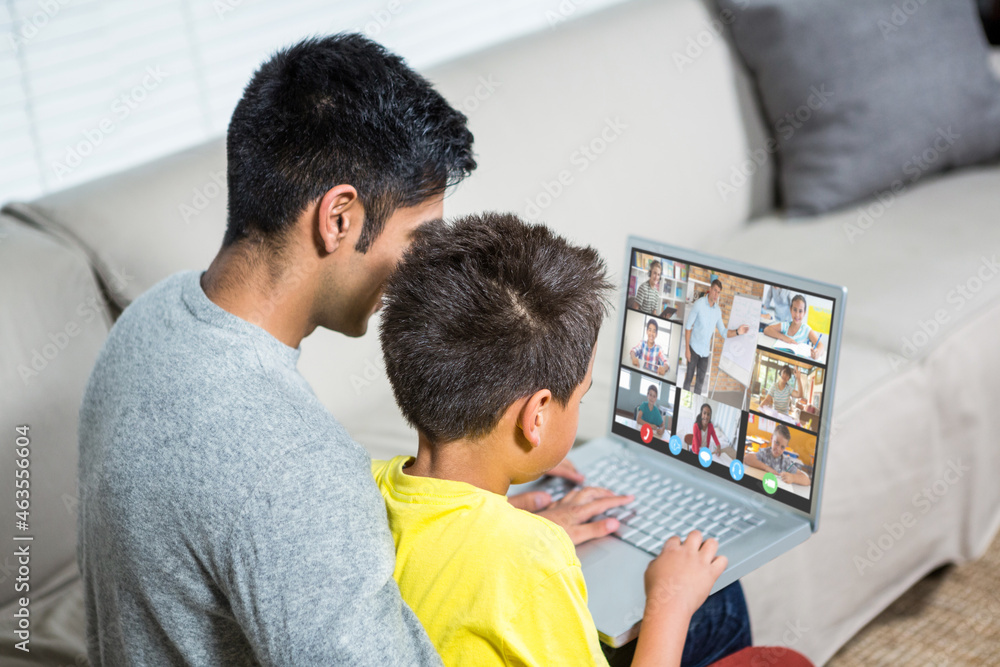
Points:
(719, 628)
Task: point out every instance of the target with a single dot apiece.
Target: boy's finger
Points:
(589, 493)
(589, 510)
(583, 532)
(673, 542)
(718, 566)
(709, 548)
(693, 539)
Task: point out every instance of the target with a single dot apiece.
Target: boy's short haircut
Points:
(485, 312)
(783, 431)
(338, 110)
(655, 325)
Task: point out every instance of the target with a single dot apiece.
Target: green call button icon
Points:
(770, 482)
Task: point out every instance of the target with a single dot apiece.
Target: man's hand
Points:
(743, 329)
(575, 511)
(687, 354)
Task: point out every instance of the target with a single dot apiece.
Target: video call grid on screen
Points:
(784, 394)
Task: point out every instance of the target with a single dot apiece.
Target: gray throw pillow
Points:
(865, 96)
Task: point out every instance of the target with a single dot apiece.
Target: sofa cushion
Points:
(53, 325)
(143, 224)
(866, 94)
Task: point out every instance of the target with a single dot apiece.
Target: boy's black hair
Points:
(485, 312)
(655, 325)
(338, 110)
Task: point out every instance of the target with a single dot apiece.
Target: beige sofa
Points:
(594, 128)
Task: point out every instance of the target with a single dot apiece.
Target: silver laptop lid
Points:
(769, 392)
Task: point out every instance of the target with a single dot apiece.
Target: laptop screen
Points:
(725, 372)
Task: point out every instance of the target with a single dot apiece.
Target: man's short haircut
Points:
(338, 110)
(717, 283)
(483, 313)
(783, 431)
(655, 325)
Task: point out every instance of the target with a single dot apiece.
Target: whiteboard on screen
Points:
(738, 352)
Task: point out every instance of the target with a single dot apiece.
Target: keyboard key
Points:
(627, 534)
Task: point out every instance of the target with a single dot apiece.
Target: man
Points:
(226, 517)
(648, 354)
(705, 317)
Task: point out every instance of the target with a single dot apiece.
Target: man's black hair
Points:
(338, 110)
(718, 283)
(483, 313)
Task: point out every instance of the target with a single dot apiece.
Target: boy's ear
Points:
(534, 412)
(339, 213)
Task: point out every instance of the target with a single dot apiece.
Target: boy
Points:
(489, 330)
(649, 412)
(773, 459)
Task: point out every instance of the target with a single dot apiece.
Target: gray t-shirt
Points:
(226, 518)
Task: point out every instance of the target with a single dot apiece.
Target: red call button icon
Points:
(646, 433)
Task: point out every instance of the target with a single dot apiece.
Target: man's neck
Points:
(461, 461)
(254, 289)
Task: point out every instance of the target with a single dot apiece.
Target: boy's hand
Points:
(679, 580)
(576, 509)
(566, 470)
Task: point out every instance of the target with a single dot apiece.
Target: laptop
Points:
(737, 453)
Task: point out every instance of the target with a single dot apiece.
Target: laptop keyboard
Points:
(663, 507)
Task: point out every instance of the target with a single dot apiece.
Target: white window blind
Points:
(88, 87)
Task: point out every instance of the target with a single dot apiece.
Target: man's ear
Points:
(534, 412)
(340, 213)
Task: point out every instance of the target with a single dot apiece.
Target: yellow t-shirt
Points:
(492, 585)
